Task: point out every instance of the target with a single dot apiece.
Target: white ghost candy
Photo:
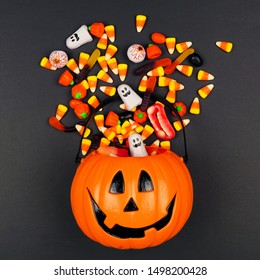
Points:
(136, 145)
(130, 98)
(79, 38)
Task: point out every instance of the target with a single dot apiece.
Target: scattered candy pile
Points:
(138, 119)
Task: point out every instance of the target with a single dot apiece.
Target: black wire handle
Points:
(154, 97)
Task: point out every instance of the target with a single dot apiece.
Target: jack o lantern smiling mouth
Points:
(125, 232)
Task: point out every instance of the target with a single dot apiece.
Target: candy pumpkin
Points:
(130, 202)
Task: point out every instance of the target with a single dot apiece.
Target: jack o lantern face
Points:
(131, 202)
(118, 187)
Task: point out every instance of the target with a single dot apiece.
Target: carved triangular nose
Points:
(131, 206)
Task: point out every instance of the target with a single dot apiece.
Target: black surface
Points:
(37, 162)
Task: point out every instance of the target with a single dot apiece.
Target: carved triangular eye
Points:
(145, 183)
(117, 184)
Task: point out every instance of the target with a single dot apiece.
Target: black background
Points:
(37, 162)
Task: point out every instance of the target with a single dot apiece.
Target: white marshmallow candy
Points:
(130, 98)
(79, 38)
(136, 145)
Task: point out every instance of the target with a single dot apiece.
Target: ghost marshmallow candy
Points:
(136, 53)
(130, 98)
(136, 146)
(79, 38)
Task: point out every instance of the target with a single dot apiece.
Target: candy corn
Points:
(103, 76)
(205, 91)
(104, 142)
(225, 46)
(195, 106)
(111, 50)
(93, 101)
(143, 84)
(122, 71)
(140, 21)
(102, 42)
(72, 65)
(156, 143)
(181, 47)
(108, 90)
(158, 71)
(166, 145)
(177, 124)
(92, 82)
(103, 63)
(185, 69)
(112, 63)
(173, 85)
(83, 59)
(45, 63)
(148, 131)
(170, 44)
(112, 151)
(108, 133)
(110, 31)
(61, 111)
(171, 96)
(112, 119)
(123, 107)
(99, 120)
(204, 76)
(85, 132)
(164, 81)
(85, 145)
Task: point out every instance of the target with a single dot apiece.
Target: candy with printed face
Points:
(130, 98)
(136, 53)
(136, 145)
(79, 38)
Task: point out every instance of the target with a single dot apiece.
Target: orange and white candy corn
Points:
(174, 85)
(158, 71)
(205, 91)
(102, 42)
(224, 46)
(92, 82)
(143, 84)
(99, 120)
(82, 131)
(166, 145)
(108, 90)
(61, 111)
(122, 71)
(112, 64)
(93, 101)
(170, 44)
(85, 145)
(140, 21)
(104, 142)
(111, 33)
(108, 133)
(204, 76)
(185, 69)
(73, 66)
(171, 96)
(195, 106)
(111, 50)
(156, 143)
(147, 132)
(103, 63)
(45, 63)
(123, 107)
(164, 81)
(83, 59)
(103, 76)
(177, 124)
(183, 46)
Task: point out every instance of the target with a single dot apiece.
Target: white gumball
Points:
(79, 38)
(130, 98)
(136, 145)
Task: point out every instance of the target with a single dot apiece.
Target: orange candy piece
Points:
(225, 46)
(111, 33)
(204, 76)
(158, 38)
(140, 21)
(195, 106)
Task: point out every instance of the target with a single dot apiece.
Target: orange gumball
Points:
(132, 202)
